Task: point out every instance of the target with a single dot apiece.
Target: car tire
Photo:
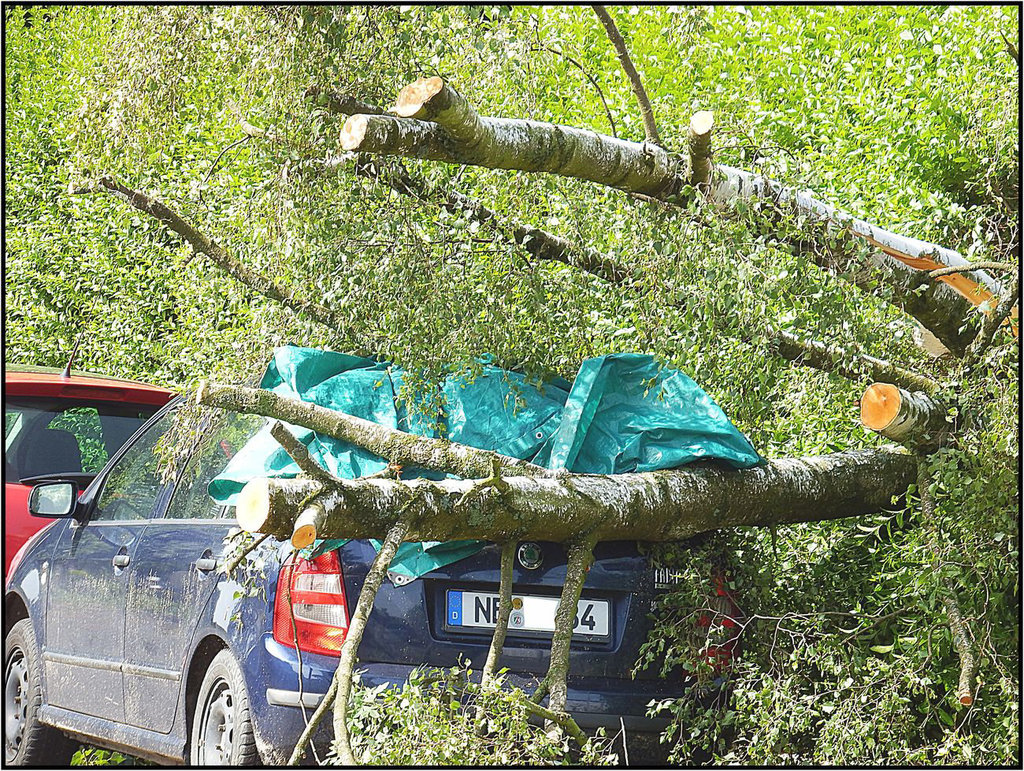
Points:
(222, 731)
(27, 742)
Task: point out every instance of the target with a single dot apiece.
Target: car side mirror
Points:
(53, 500)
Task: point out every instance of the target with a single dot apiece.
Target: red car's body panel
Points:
(48, 383)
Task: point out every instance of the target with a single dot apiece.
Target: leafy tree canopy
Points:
(905, 116)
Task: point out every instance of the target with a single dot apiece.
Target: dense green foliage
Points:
(434, 721)
(905, 116)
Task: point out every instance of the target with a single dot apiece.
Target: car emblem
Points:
(530, 555)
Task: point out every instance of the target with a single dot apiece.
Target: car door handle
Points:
(206, 564)
(121, 560)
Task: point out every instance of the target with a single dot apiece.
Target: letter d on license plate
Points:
(530, 613)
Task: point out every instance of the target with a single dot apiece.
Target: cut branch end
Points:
(414, 96)
(879, 406)
(353, 132)
(253, 507)
(702, 122)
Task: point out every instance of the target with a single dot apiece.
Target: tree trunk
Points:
(911, 418)
(650, 506)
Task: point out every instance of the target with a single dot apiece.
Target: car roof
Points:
(29, 380)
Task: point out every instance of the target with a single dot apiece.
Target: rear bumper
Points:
(277, 715)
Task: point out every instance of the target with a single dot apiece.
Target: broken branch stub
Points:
(699, 142)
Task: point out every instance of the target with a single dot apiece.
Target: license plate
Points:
(530, 613)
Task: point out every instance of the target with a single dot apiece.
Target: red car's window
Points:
(52, 436)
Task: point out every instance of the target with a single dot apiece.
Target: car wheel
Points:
(27, 742)
(222, 733)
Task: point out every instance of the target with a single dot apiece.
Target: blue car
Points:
(123, 631)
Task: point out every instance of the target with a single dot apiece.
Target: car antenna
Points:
(67, 367)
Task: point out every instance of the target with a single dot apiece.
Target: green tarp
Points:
(623, 412)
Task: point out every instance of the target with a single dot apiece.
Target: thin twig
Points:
(949, 270)
(234, 562)
(650, 128)
(298, 656)
(216, 161)
(589, 77)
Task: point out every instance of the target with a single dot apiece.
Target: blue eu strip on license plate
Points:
(530, 613)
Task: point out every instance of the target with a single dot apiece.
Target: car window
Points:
(226, 433)
(51, 436)
(134, 488)
(84, 424)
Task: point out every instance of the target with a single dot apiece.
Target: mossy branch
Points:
(397, 447)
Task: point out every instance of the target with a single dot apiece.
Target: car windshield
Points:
(53, 436)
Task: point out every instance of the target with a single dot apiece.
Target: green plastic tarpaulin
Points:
(623, 412)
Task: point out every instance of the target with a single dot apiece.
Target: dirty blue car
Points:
(122, 629)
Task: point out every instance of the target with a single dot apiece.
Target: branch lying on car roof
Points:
(397, 447)
(647, 506)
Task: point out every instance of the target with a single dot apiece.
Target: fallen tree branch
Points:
(448, 129)
(547, 246)
(962, 643)
(490, 670)
(300, 454)
(850, 364)
(1011, 49)
(201, 244)
(637, 84)
(650, 506)
(580, 558)
(563, 719)
(462, 136)
(539, 243)
(984, 265)
(341, 103)
(992, 324)
(395, 446)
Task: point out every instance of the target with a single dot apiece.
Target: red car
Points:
(60, 425)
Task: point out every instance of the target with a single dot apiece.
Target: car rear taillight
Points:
(312, 594)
